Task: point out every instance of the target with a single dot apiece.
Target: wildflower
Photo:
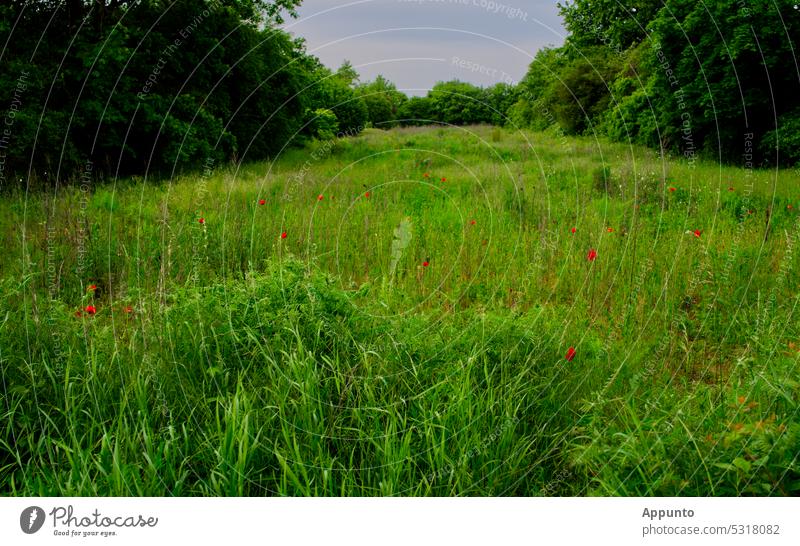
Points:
(78, 314)
(741, 399)
(472, 222)
(444, 179)
(570, 354)
(128, 309)
(573, 230)
(697, 233)
(202, 220)
(262, 201)
(789, 207)
(730, 188)
(426, 263)
(426, 175)
(92, 287)
(610, 230)
(319, 197)
(367, 194)
(672, 188)
(90, 309)
(591, 255)
(283, 235)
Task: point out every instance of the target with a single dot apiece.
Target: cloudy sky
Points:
(416, 43)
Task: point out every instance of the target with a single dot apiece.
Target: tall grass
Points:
(224, 359)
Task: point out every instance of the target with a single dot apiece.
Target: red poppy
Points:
(78, 314)
(128, 309)
(672, 188)
(749, 212)
(202, 220)
(90, 309)
(367, 195)
(319, 197)
(573, 230)
(789, 207)
(283, 235)
(610, 229)
(591, 255)
(444, 179)
(262, 201)
(730, 188)
(92, 287)
(570, 354)
(426, 175)
(472, 222)
(425, 263)
(697, 233)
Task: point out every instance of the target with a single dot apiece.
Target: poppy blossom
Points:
(672, 188)
(262, 201)
(789, 207)
(570, 354)
(472, 222)
(426, 263)
(283, 235)
(610, 229)
(573, 230)
(730, 188)
(92, 287)
(741, 399)
(202, 220)
(426, 175)
(444, 179)
(128, 309)
(90, 309)
(78, 314)
(367, 194)
(697, 233)
(591, 255)
(319, 197)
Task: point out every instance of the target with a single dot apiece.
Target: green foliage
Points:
(416, 111)
(581, 96)
(459, 103)
(679, 76)
(784, 141)
(383, 101)
(137, 88)
(324, 124)
(608, 23)
(532, 110)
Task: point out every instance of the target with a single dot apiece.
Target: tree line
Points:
(718, 79)
(153, 86)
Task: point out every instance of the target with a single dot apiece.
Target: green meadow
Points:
(395, 319)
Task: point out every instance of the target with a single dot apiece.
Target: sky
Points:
(415, 43)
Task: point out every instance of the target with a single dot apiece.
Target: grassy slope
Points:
(251, 364)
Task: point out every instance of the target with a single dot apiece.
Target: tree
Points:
(724, 83)
(609, 23)
(416, 111)
(531, 109)
(459, 103)
(383, 101)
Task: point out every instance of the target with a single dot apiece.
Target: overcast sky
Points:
(416, 43)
